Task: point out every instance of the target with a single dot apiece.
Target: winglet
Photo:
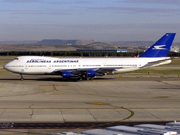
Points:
(161, 47)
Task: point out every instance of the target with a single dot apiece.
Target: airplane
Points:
(88, 68)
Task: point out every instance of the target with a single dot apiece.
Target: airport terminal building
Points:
(102, 50)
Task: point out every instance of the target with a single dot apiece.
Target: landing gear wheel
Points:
(83, 77)
(91, 78)
(22, 78)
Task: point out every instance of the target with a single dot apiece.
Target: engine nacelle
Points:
(68, 74)
(99, 74)
(92, 73)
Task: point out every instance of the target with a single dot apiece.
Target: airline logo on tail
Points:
(159, 47)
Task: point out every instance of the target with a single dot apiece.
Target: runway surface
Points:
(108, 99)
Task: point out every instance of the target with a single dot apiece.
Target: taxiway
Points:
(108, 99)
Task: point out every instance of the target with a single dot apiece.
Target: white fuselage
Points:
(48, 65)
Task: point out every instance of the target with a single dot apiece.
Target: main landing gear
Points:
(22, 78)
(85, 77)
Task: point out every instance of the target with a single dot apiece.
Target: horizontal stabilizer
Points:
(157, 63)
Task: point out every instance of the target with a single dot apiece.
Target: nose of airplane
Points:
(6, 67)
(10, 67)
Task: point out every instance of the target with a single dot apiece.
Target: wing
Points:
(87, 71)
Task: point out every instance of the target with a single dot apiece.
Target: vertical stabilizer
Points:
(161, 47)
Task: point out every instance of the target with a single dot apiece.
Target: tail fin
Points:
(161, 47)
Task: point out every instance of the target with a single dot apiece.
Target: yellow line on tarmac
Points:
(2, 85)
(162, 97)
(131, 115)
(45, 85)
(109, 123)
(54, 86)
(126, 118)
(98, 103)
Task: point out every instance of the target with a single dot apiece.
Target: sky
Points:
(100, 20)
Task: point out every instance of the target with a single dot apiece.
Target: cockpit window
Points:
(16, 59)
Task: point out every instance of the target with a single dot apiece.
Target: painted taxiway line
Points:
(2, 85)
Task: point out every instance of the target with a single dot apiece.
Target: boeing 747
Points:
(88, 68)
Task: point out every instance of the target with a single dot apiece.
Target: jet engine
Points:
(92, 73)
(68, 74)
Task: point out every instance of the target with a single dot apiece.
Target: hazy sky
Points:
(101, 20)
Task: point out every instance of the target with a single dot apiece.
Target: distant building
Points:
(175, 49)
(102, 50)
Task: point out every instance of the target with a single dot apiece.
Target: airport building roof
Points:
(102, 50)
(172, 128)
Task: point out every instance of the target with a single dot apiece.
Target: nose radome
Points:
(6, 66)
